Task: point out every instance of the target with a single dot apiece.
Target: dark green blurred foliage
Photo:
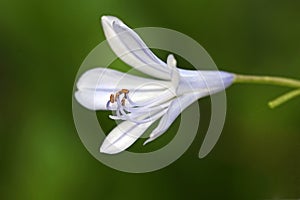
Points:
(42, 44)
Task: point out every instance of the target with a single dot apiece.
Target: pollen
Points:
(112, 98)
(124, 91)
(115, 97)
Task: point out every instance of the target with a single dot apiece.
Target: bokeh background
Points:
(42, 45)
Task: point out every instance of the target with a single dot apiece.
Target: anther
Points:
(117, 96)
(112, 98)
(123, 101)
(125, 91)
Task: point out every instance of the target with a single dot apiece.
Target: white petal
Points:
(175, 76)
(176, 107)
(129, 47)
(93, 100)
(97, 99)
(211, 81)
(193, 85)
(112, 80)
(171, 61)
(124, 135)
(96, 85)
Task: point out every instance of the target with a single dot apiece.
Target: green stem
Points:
(269, 80)
(284, 98)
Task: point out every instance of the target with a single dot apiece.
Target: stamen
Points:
(107, 105)
(112, 99)
(125, 91)
(117, 96)
(137, 113)
(119, 114)
(123, 101)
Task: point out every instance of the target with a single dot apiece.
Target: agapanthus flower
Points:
(136, 101)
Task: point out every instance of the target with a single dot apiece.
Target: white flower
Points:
(139, 101)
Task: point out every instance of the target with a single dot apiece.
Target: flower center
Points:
(115, 98)
(123, 112)
(135, 112)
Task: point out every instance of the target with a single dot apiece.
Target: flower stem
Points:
(284, 98)
(277, 81)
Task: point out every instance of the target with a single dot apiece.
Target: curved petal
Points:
(94, 100)
(175, 76)
(113, 80)
(125, 134)
(129, 47)
(98, 99)
(213, 81)
(176, 107)
(193, 85)
(96, 85)
(122, 136)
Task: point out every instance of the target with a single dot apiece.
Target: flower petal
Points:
(213, 81)
(113, 80)
(193, 85)
(175, 76)
(96, 85)
(129, 47)
(125, 134)
(176, 107)
(98, 99)
(93, 100)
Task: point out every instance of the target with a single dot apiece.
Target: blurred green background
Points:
(42, 45)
